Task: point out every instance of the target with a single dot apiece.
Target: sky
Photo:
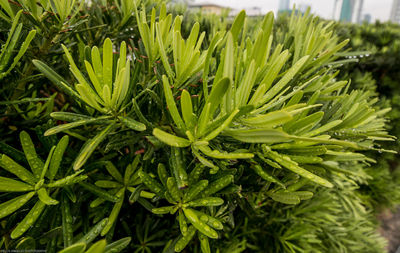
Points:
(378, 9)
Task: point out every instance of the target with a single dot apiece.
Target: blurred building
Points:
(395, 12)
(359, 11)
(348, 10)
(250, 12)
(284, 5)
(208, 7)
(253, 11)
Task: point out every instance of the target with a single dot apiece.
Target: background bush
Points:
(146, 128)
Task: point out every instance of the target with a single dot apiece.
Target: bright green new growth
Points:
(103, 93)
(106, 92)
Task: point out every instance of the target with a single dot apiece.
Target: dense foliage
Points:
(127, 126)
(377, 70)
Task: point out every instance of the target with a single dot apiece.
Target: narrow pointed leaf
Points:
(57, 157)
(11, 166)
(170, 139)
(29, 149)
(29, 220)
(45, 198)
(11, 185)
(89, 147)
(9, 207)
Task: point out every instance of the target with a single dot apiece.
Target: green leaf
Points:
(213, 44)
(58, 80)
(98, 247)
(204, 161)
(97, 64)
(93, 232)
(204, 244)
(285, 198)
(163, 53)
(9, 207)
(7, 8)
(187, 111)
(108, 184)
(57, 157)
(178, 168)
(207, 201)
(133, 124)
(182, 223)
(118, 246)
(162, 174)
(265, 175)
(75, 248)
(69, 180)
(114, 171)
(200, 225)
(217, 185)
(209, 220)
(11, 166)
(195, 175)
(173, 110)
(162, 210)
(224, 125)
(21, 52)
(224, 155)
(304, 195)
(217, 93)
(304, 123)
(61, 128)
(285, 79)
(151, 183)
(93, 78)
(107, 63)
(170, 139)
(29, 149)
(99, 192)
(269, 120)
(45, 198)
(89, 147)
(237, 25)
(11, 185)
(271, 75)
(184, 240)
(246, 85)
(114, 213)
(69, 116)
(67, 221)
(194, 190)
(47, 163)
(89, 97)
(286, 162)
(173, 189)
(29, 220)
(74, 69)
(258, 135)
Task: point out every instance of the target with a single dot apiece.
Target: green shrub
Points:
(227, 138)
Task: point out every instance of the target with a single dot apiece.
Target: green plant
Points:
(205, 135)
(34, 182)
(11, 44)
(106, 93)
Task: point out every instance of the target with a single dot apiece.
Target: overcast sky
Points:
(379, 9)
